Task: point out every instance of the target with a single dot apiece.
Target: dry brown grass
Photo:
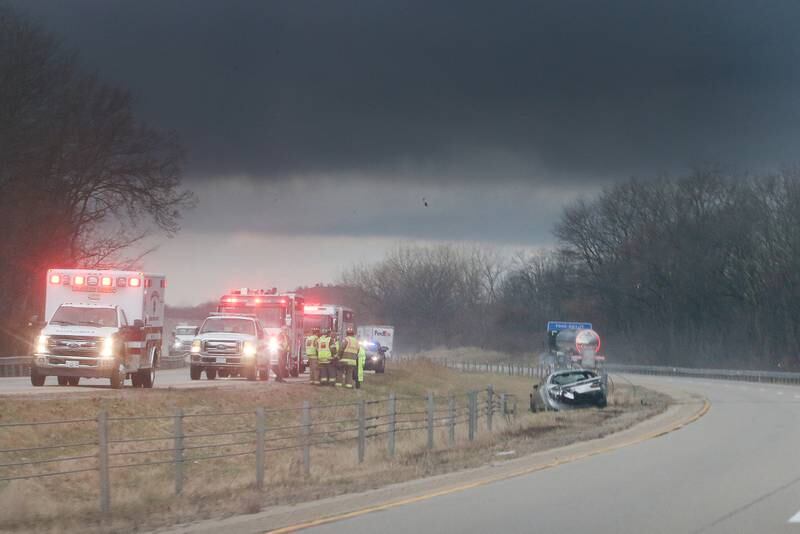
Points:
(143, 498)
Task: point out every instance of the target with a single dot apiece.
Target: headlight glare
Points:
(108, 348)
(249, 349)
(196, 346)
(41, 344)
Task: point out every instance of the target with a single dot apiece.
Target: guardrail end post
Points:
(362, 435)
(431, 408)
(392, 408)
(306, 438)
(102, 464)
(178, 450)
(261, 430)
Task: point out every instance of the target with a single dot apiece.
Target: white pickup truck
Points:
(230, 344)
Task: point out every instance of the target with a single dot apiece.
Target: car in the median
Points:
(569, 389)
(230, 345)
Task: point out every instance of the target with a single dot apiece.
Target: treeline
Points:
(703, 270)
(81, 180)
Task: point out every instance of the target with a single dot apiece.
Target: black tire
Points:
(147, 377)
(74, 380)
(251, 373)
(294, 372)
(211, 374)
(37, 380)
(136, 380)
(223, 373)
(63, 380)
(263, 375)
(602, 404)
(194, 372)
(381, 368)
(117, 379)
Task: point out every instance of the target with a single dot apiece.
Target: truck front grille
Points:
(221, 347)
(74, 346)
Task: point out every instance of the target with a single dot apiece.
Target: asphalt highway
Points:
(165, 378)
(736, 469)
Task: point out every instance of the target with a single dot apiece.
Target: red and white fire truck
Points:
(332, 317)
(100, 324)
(276, 312)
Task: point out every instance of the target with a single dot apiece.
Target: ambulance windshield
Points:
(84, 316)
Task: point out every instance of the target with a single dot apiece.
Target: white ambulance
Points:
(100, 324)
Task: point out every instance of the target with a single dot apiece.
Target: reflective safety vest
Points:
(362, 359)
(352, 345)
(311, 346)
(324, 348)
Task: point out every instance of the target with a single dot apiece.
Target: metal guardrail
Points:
(15, 366)
(541, 371)
(777, 377)
(109, 445)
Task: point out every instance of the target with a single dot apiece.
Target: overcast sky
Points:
(317, 131)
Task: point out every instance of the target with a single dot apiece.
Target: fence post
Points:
(177, 427)
(307, 438)
(261, 430)
(102, 463)
(489, 406)
(504, 403)
(362, 435)
(431, 407)
(451, 407)
(472, 402)
(392, 422)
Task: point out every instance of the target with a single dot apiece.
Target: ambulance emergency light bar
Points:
(80, 280)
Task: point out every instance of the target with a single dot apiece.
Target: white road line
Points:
(795, 518)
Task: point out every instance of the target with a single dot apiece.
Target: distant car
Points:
(569, 389)
(376, 356)
(182, 338)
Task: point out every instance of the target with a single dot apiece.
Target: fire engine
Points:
(333, 317)
(100, 324)
(276, 312)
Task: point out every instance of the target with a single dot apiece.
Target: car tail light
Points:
(134, 282)
(105, 281)
(78, 280)
(55, 278)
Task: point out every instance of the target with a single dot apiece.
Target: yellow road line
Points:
(568, 459)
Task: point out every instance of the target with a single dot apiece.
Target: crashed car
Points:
(569, 389)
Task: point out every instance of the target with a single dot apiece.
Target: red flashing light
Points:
(134, 282)
(55, 279)
(105, 281)
(78, 280)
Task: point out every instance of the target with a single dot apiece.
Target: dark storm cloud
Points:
(564, 89)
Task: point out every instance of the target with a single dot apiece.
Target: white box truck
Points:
(100, 324)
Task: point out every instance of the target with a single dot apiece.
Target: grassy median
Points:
(143, 496)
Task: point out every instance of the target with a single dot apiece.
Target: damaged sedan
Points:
(569, 389)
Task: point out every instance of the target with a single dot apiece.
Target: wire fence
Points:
(180, 440)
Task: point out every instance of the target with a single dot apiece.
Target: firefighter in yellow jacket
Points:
(348, 355)
(362, 359)
(311, 354)
(324, 355)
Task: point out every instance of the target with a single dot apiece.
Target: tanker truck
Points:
(574, 344)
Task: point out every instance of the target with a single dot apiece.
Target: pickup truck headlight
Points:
(107, 350)
(177, 344)
(249, 349)
(41, 344)
(196, 346)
